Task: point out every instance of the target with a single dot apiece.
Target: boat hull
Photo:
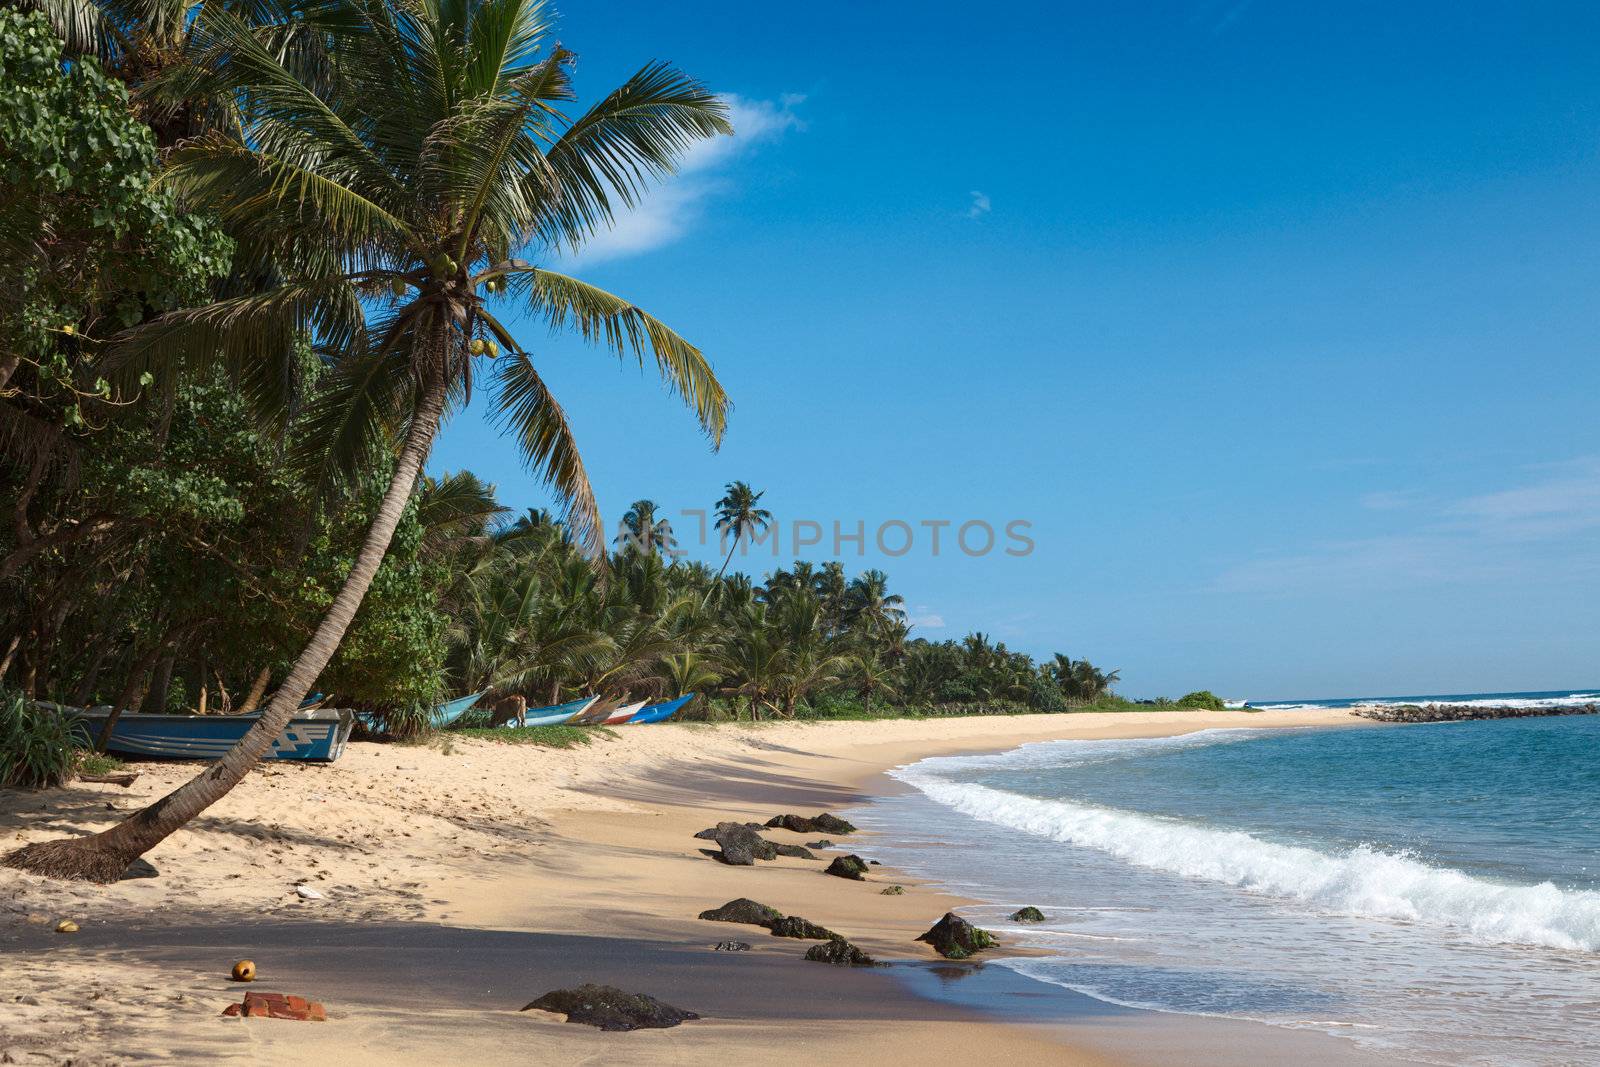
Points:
(623, 714)
(660, 712)
(318, 735)
(556, 714)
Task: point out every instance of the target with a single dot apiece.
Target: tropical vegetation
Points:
(260, 253)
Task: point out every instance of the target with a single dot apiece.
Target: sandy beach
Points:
(462, 879)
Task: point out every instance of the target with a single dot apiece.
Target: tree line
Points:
(259, 251)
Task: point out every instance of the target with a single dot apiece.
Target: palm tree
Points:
(872, 676)
(739, 517)
(643, 532)
(870, 606)
(398, 198)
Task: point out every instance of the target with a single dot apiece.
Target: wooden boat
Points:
(556, 714)
(623, 714)
(443, 715)
(597, 713)
(313, 733)
(660, 712)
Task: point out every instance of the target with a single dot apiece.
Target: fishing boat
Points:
(660, 712)
(313, 733)
(556, 714)
(445, 714)
(596, 713)
(623, 714)
(442, 716)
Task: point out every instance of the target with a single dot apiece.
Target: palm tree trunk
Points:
(258, 689)
(106, 855)
(132, 687)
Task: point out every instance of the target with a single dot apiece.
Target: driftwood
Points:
(122, 778)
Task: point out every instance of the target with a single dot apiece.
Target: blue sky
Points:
(1278, 326)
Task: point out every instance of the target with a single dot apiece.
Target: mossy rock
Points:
(802, 929)
(955, 939)
(894, 891)
(1030, 914)
(840, 953)
(853, 867)
(743, 910)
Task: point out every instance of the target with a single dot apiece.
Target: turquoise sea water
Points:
(1429, 890)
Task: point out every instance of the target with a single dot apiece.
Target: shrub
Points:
(1202, 698)
(409, 722)
(35, 746)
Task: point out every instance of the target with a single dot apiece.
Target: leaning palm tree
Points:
(400, 195)
(739, 517)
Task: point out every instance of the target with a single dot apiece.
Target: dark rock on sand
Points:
(802, 929)
(799, 852)
(824, 843)
(743, 910)
(820, 824)
(955, 939)
(894, 891)
(840, 952)
(610, 1008)
(848, 867)
(731, 946)
(1030, 914)
(741, 846)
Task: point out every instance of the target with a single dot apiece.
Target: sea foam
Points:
(1360, 881)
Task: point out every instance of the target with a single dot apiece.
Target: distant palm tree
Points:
(870, 605)
(739, 517)
(872, 677)
(644, 532)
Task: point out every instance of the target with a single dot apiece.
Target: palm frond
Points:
(640, 132)
(604, 318)
(527, 410)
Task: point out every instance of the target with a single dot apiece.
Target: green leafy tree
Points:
(401, 195)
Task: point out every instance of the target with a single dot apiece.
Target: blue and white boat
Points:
(313, 734)
(556, 714)
(443, 715)
(660, 712)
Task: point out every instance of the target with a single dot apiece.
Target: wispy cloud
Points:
(668, 211)
(1542, 529)
(925, 618)
(1391, 500)
(980, 205)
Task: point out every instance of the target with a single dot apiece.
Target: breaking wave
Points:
(1360, 881)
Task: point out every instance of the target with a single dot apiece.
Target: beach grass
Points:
(98, 763)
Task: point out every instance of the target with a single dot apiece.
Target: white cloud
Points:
(669, 210)
(1542, 529)
(925, 618)
(980, 205)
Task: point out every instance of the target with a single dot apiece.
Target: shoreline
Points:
(462, 880)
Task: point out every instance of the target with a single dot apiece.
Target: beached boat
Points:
(623, 714)
(660, 712)
(443, 715)
(556, 714)
(313, 733)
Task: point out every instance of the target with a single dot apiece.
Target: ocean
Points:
(1431, 891)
